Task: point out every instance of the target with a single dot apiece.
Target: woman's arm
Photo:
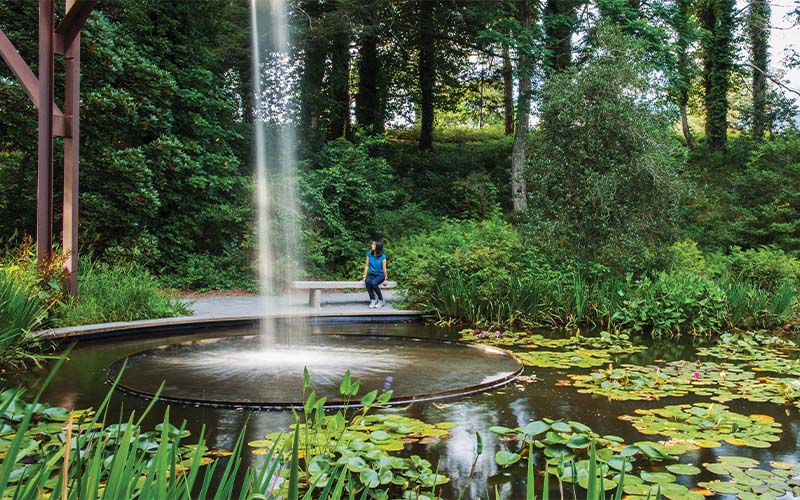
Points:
(385, 274)
(366, 268)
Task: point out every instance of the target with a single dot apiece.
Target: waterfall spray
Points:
(277, 218)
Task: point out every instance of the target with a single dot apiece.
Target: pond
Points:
(541, 392)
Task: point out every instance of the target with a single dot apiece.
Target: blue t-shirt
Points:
(375, 263)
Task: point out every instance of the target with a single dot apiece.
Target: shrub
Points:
(769, 195)
(685, 258)
(490, 251)
(602, 179)
(672, 304)
(123, 292)
(766, 267)
(344, 190)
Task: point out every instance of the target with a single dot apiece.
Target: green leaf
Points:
(504, 457)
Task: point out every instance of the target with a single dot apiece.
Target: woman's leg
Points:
(377, 280)
(370, 291)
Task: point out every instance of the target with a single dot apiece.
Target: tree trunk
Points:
(718, 20)
(508, 92)
(340, 85)
(684, 82)
(687, 132)
(519, 150)
(315, 50)
(313, 75)
(758, 26)
(560, 18)
(369, 102)
(427, 72)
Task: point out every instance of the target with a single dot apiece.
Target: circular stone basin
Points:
(247, 372)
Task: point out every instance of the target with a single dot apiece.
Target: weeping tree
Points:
(603, 171)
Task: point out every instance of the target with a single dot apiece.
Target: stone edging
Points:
(131, 327)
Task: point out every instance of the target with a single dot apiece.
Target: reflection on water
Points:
(243, 370)
(79, 384)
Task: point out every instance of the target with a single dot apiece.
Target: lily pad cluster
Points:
(616, 343)
(575, 351)
(572, 453)
(747, 346)
(721, 382)
(363, 447)
(705, 425)
(763, 352)
(745, 479)
(358, 445)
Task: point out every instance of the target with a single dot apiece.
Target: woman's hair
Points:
(378, 248)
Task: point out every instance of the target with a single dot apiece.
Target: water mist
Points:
(278, 223)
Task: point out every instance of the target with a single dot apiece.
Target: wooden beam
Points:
(72, 101)
(44, 188)
(73, 21)
(30, 84)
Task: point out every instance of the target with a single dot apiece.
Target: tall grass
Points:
(20, 312)
(122, 292)
(665, 304)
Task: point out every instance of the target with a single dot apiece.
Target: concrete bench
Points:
(315, 288)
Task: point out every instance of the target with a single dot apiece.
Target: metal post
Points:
(44, 190)
(72, 88)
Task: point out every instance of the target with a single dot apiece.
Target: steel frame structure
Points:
(64, 40)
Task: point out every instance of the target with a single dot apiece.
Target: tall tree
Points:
(369, 99)
(519, 195)
(340, 78)
(684, 33)
(560, 20)
(758, 29)
(508, 91)
(427, 71)
(717, 21)
(315, 50)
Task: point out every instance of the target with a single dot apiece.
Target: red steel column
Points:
(44, 189)
(72, 89)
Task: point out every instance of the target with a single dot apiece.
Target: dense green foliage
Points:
(162, 176)
(483, 273)
(344, 191)
(602, 180)
(168, 110)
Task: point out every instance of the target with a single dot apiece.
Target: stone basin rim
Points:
(113, 371)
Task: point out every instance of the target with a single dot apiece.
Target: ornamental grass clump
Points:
(119, 292)
(21, 311)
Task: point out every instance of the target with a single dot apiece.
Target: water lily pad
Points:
(504, 457)
(703, 425)
(684, 469)
(657, 477)
(743, 462)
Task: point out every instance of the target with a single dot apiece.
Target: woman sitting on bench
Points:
(375, 274)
